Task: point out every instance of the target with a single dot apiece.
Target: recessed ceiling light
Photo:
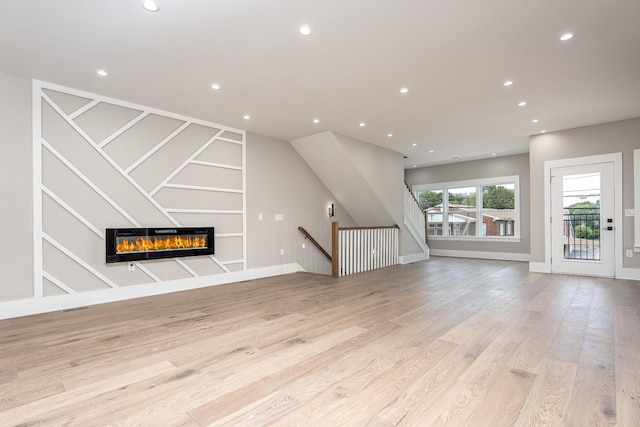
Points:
(102, 73)
(522, 103)
(431, 151)
(404, 90)
(414, 166)
(150, 5)
(535, 121)
(566, 36)
(316, 120)
(414, 144)
(305, 30)
(543, 131)
(215, 86)
(507, 83)
(246, 117)
(363, 124)
(493, 154)
(456, 158)
(389, 135)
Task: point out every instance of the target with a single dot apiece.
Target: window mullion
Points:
(445, 212)
(479, 217)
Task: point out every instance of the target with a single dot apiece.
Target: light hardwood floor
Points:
(450, 342)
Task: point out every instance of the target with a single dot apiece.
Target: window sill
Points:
(475, 239)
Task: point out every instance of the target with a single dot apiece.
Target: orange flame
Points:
(161, 243)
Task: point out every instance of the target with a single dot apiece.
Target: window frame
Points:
(478, 184)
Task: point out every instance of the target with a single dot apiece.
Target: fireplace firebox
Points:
(134, 244)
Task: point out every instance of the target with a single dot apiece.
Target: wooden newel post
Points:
(335, 265)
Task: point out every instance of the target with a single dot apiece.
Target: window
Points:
(431, 202)
(462, 210)
(482, 209)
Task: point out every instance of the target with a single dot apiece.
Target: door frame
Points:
(616, 159)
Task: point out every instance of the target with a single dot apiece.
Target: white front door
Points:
(582, 220)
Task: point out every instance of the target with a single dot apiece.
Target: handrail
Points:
(412, 195)
(315, 243)
(415, 214)
(377, 227)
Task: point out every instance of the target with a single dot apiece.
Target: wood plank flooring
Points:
(446, 342)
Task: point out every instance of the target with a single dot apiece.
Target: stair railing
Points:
(414, 213)
(359, 249)
(315, 243)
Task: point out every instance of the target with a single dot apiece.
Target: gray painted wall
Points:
(366, 179)
(479, 169)
(280, 182)
(331, 159)
(16, 182)
(383, 171)
(622, 136)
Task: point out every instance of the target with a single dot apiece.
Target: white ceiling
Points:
(452, 55)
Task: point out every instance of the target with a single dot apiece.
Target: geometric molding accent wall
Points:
(100, 162)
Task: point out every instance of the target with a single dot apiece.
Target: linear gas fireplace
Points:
(134, 244)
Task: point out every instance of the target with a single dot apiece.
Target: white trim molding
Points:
(539, 267)
(636, 200)
(616, 159)
(501, 256)
(408, 259)
(30, 306)
(135, 209)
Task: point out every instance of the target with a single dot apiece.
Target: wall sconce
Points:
(331, 211)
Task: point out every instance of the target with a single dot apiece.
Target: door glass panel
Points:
(581, 216)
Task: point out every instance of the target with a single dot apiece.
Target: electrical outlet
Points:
(259, 217)
(131, 266)
(282, 251)
(629, 253)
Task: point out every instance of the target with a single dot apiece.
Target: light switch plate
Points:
(629, 212)
(279, 217)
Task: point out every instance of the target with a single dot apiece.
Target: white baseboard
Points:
(623, 274)
(27, 307)
(628, 274)
(408, 259)
(504, 256)
(539, 267)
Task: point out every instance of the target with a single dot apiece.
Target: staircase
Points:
(367, 181)
(415, 219)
